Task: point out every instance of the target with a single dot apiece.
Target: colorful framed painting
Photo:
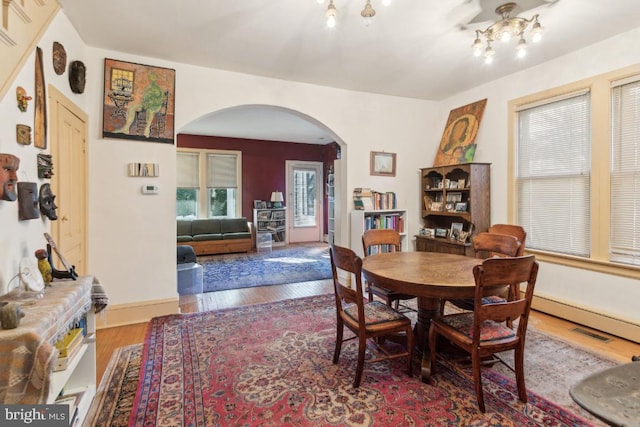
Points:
(457, 145)
(138, 102)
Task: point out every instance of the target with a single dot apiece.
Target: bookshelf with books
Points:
(362, 220)
(456, 204)
(273, 221)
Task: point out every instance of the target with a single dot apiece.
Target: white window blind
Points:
(222, 171)
(625, 172)
(553, 175)
(187, 170)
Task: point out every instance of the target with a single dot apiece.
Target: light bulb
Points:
(521, 48)
(331, 21)
(505, 37)
(331, 14)
(477, 46)
(536, 32)
(488, 55)
(320, 1)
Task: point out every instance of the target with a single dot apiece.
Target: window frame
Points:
(203, 190)
(600, 219)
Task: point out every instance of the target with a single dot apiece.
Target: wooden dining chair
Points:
(367, 320)
(490, 245)
(378, 241)
(511, 230)
(483, 332)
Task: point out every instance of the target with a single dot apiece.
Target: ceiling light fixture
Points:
(504, 30)
(367, 13)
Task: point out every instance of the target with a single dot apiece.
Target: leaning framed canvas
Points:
(138, 102)
(457, 144)
(383, 164)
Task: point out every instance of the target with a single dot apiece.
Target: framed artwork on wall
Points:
(457, 144)
(383, 164)
(138, 102)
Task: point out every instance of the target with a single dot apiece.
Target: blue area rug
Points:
(294, 264)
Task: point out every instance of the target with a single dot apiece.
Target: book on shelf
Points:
(72, 401)
(69, 342)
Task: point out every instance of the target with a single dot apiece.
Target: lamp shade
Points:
(276, 196)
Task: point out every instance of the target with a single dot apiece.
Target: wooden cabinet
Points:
(362, 220)
(273, 221)
(456, 203)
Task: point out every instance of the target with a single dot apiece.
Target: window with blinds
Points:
(553, 174)
(207, 184)
(625, 172)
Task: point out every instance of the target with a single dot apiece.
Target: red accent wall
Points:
(263, 163)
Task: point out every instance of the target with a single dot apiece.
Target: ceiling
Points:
(413, 48)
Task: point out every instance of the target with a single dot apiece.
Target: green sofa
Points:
(216, 236)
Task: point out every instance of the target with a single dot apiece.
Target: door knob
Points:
(64, 218)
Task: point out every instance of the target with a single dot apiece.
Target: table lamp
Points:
(277, 199)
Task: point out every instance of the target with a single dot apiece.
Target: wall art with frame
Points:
(382, 164)
(457, 145)
(138, 102)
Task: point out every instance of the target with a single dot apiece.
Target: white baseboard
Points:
(586, 317)
(139, 312)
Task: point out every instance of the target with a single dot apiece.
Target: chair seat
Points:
(389, 294)
(467, 304)
(489, 330)
(375, 313)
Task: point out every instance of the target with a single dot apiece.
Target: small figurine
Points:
(23, 98)
(10, 315)
(44, 266)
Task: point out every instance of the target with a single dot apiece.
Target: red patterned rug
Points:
(270, 365)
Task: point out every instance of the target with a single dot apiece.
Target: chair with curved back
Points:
(511, 230)
(483, 332)
(377, 241)
(491, 245)
(367, 320)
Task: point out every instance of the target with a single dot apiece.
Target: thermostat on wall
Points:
(149, 189)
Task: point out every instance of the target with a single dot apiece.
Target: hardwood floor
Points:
(111, 338)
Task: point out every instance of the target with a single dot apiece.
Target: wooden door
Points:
(68, 140)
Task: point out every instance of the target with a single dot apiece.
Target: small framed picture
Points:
(427, 203)
(461, 207)
(257, 204)
(461, 183)
(383, 164)
(436, 206)
(441, 232)
(456, 229)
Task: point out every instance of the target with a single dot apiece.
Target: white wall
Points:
(132, 236)
(20, 239)
(601, 293)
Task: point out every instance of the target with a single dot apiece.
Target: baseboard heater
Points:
(592, 319)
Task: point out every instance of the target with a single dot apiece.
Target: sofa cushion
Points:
(205, 226)
(201, 237)
(231, 236)
(184, 227)
(234, 225)
(185, 239)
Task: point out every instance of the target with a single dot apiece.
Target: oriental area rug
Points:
(270, 365)
(292, 264)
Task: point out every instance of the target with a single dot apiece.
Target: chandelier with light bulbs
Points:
(504, 30)
(367, 12)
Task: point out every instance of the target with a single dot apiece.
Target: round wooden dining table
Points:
(430, 276)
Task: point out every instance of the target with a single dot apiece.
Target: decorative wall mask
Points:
(59, 58)
(9, 165)
(40, 103)
(23, 134)
(47, 204)
(45, 166)
(77, 76)
(23, 99)
(28, 201)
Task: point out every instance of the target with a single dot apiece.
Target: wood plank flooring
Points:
(111, 338)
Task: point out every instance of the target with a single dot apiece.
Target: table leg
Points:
(428, 308)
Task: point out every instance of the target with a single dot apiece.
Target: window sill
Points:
(607, 267)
